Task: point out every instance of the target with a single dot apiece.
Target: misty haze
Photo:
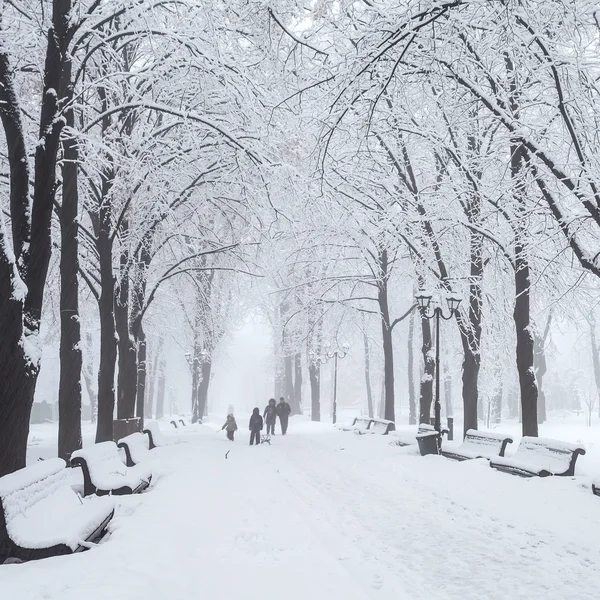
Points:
(299, 300)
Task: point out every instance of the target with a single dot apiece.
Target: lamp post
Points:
(424, 301)
(335, 354)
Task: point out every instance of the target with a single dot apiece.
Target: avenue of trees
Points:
(167, 166)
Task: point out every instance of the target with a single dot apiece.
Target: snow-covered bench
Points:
(479, 444)
(359, 425)
(41, 516)
(174, 424)
(105, 473)
(155, 436)
(182, 422)
(540, 457)
(381, 426)
(136, 446)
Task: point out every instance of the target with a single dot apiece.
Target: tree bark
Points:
(108, 342)
(412, 409)
(368, 375)
(141, 378)
(88, 374)
(288, 363)
(206, 367)
(386, 333)
(426, 388)
(69, 389)
(314, 373)
(20, 311)
(297, 383)
(160, 392)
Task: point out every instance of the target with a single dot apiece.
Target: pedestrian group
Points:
(270, 414)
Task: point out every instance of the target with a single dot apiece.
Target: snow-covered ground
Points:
(328, 515)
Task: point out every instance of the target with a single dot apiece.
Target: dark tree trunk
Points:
(426, 387)
(153, 376)
(289, 383)
(141, 377)
(539, 360)
(386, 332)
(160, 392)
(127, 374)
(20, 313)
(203, 387)
(314, 373)
(196, 376)
(297, 383)
(448, 392)
(69, 389)
(108, 342)
(368, 375)
(470, 376)
(88, 375)
(412, 409)
(521, 312)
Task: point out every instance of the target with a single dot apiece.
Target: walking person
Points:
(256, 425)
(283, 410)
(230, 426)
(270, 415)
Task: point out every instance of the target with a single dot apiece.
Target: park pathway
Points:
(327, 515)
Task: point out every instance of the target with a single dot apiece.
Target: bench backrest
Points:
(152, 428)
(137, 445)
(382, 426)
(553, 455)
(493, 442)
(362, 422)
(101, 458)
(25, 488)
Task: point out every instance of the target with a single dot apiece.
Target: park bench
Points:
(174, 424)
(381, 426)
(41, 516)
(182, 422)
(360, 425)
(105, 473)
(155, 436)
(540, 457)
(136, 447)
(479, 444)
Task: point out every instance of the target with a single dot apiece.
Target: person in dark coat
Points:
(256, 425)
(283, 410)
(270, 415)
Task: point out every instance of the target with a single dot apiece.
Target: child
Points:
(231, 426)
(256, 425)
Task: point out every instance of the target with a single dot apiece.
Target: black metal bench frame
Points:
(456, 455)
(11, 552)
(89, 488)
(125, 445)
(541, 472)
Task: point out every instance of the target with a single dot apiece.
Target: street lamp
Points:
(424, 302)
(335, 354)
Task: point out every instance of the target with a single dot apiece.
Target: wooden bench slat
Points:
(478, 444)
(41, 515)
(540, 457)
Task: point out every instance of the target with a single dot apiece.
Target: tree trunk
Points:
(297, 383)
(69, 389)
(368, 375)
(595, 359)
(386, 332)
(88, 374)
(153, 376)
(314, 373)
(141, 377)
(412, 409)
(289, 384)
(426, 388)
(20, 310)
(160, 392)
(448, 392)
(108, 342)
(203, 387)
(127, 375)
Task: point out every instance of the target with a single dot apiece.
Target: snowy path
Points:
(331, 516)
